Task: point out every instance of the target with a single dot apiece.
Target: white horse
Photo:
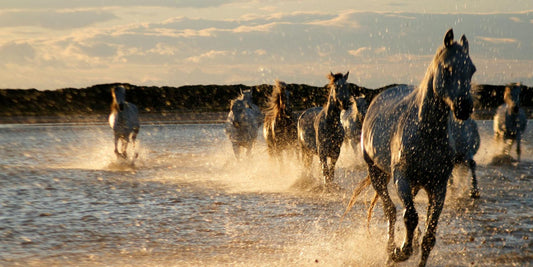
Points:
(242, 123)
(406, 137)
(510, 120)
(466, 142)
(352, 121)
(124, 121)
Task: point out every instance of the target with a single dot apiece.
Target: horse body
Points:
(320, 131)
(352, 121)
(466, 142)
(279, 126)
(406, 137)
(242, 124)
(124, 121)
(510, 120)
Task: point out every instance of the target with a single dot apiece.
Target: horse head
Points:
(361, 106)
(238, 108)
(453, 70)
(512, 97)
(338, 89)
(119, 96)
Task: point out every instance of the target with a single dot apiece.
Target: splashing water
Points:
(186, 201)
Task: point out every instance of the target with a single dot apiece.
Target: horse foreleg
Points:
(436, 203)
(236, 150)
(518, 138)
(116, 149)
(133, 141)
(474, 191)
(325, 169)
(410, 217)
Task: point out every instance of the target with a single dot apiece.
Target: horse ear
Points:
(330, 76)
(346, 75)
(448, 38)
(464, 43)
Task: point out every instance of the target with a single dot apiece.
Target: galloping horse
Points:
(279, 126)
(242, 123)
(352, 121)
(320, 130)
(406, 136)
(510, 120)
(124, 121)
(466, 143)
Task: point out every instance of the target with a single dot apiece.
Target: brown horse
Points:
(320, 131)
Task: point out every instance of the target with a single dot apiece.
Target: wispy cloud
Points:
(495, 40)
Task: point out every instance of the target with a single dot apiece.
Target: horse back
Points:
(382, 119)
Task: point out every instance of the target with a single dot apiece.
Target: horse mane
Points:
(274, 105)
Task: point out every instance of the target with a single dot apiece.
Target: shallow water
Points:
(66, 201)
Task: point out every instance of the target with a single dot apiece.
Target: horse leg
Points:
(325, 170)
(379, 181)
(116, 145)
(410, 216)
(236, 150)
(436, 203)
(474, 191)
(518, 146)
(133, 140)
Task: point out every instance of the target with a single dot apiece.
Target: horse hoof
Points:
(401, 254)
(474, 193)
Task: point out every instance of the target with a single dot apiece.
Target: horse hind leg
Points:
(379, 181)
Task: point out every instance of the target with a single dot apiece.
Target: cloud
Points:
(366, 51)
(208, 55)
(495, 40)
(51, 19)
(69, 4)
(14, 52)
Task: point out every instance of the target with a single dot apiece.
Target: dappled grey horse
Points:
(466, 141)
(510, 120)
(279, 126)
(242, 123)
(406, 136)
(124, 121)
(352, 121)
(320, 130)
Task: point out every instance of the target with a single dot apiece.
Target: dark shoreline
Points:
(146, 118)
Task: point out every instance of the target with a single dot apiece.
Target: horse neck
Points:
(332, 109)
(433, 112)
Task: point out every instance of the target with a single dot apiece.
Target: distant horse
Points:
(320, 130)
(279, 126)
(352, 121)
(242, 123)
(466, 143)
(406, 136)
(124, 120)
(510, 120)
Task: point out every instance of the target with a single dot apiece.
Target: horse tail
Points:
(371, 208)
(358, 189)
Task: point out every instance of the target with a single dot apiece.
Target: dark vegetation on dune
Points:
(95, 100)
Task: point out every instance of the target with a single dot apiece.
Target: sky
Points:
(57, 44)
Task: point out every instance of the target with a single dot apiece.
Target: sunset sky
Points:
(78, 43)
